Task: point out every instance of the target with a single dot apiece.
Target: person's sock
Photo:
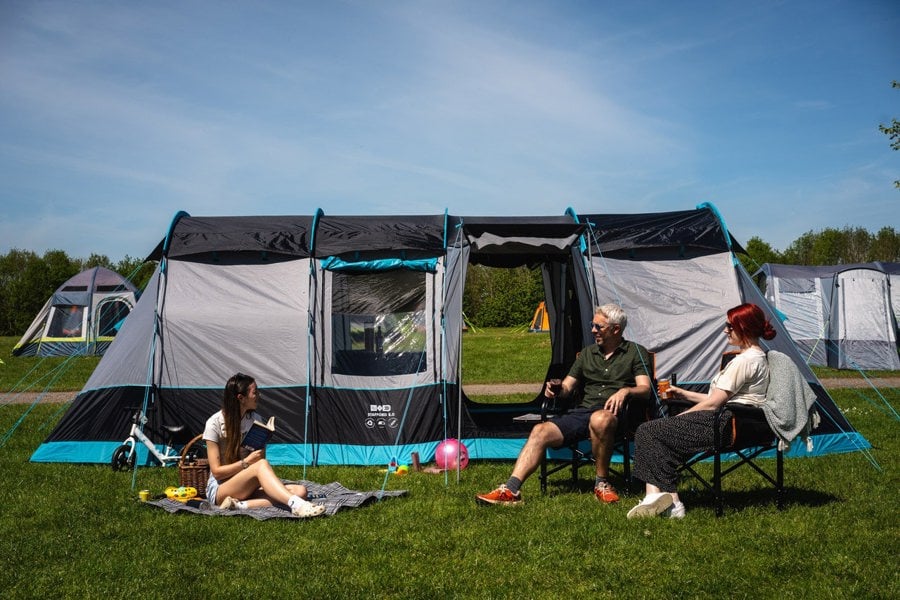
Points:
(295, 501)
(513, 484)
(240, 504)
(600, 480)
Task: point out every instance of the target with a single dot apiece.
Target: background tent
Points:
(840, 316)
(540, 322)
(81, 317)
(352, 325)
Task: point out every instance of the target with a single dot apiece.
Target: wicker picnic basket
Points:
(193, 471)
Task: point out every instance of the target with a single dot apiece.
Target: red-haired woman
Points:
(661, 445)
(238, 479)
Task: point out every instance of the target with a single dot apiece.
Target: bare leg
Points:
(256, 477)
(603, 431)
(542, 436)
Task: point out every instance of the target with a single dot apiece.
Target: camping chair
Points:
(751, 436)
(578, 456)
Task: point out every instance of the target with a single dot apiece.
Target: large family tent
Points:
(81, 317)
(840, 316)
(352, 326)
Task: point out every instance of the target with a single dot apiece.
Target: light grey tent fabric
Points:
(841, 316)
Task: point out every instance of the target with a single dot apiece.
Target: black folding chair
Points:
(750, 437)
(631, 416)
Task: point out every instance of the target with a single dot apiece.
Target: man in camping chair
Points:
(611, 371)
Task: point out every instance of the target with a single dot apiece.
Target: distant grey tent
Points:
(840, 316)
(81, 317)
(352, 326)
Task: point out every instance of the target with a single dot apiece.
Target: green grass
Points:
(79, 531)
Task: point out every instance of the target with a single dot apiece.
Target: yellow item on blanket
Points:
(181, 494)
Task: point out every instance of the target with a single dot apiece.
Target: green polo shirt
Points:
(602, 377)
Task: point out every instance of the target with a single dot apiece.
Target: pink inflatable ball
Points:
(447, 453)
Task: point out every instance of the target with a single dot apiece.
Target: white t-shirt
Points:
(215, 426)
(747, 376)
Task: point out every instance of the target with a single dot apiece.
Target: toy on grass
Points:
(181, 494)
(448, 452)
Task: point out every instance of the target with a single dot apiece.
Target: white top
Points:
(746, 376)
(215, 426)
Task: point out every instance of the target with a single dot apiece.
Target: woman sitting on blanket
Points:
(240, 478)
(661, 445)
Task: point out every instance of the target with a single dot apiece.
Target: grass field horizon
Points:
(79, 530)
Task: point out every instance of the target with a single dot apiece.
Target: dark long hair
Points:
(238, 384)
(750, 322)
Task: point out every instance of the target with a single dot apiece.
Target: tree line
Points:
(492, 297)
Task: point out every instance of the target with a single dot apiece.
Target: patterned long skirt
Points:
(662, 445)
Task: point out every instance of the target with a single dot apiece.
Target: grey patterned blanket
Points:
(334, 496)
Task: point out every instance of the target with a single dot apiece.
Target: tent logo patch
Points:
(381, 416)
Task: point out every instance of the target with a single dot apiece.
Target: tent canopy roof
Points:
(700, 229)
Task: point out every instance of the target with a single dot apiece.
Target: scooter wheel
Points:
(123, 459)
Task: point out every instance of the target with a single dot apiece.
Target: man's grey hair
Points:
(614, 314)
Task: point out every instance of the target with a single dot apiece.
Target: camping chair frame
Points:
(623, 442)
(746, 446)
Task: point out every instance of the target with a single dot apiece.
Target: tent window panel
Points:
(378, 323)
(799, 285)
(111, 316)
(66, 321)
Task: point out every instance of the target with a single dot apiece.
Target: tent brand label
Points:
(381, 416)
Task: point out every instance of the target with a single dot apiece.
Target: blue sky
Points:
(116, 115)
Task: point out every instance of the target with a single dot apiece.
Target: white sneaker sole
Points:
(308, 510)
(655, 507)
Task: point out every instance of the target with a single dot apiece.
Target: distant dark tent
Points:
(82, 316)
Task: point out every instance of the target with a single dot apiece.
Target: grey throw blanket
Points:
(789, 400)
(334, 496)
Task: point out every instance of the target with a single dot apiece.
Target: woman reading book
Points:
(239, 478)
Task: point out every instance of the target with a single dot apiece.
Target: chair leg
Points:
(543, 475)
(779, 478)
(717, 483)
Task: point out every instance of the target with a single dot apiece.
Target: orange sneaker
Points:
(500, 496)
(606, 493)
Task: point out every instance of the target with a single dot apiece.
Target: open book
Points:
(258, 435)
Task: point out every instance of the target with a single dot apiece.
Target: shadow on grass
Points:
(734, 501)
(737, 501)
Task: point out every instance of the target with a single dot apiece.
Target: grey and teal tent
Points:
(840, 316)
(352, 325)
(82, 316)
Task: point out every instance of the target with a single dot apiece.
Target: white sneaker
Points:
(652, 505)
(676, 511)
(306, 509)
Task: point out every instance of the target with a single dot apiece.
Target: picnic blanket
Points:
(333, 495)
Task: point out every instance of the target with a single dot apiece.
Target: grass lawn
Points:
(79, 531)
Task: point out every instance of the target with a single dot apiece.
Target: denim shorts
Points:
(212, 486)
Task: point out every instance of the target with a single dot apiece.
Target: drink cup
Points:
(662, 387)
(144, 495)
(555, 385)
